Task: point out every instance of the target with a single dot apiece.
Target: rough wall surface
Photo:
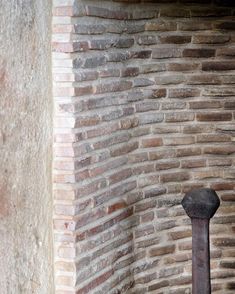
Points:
(25, 148)
(144, 97)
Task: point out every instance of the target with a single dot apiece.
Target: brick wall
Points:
(144, 111)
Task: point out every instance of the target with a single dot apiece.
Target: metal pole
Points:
(200, 205)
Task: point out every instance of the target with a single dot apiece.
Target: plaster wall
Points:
(25, 147)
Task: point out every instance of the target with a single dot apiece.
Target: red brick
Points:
(152, 142)
(116, 206)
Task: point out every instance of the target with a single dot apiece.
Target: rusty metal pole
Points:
(200, 205)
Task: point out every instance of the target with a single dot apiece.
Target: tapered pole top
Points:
(201, 203)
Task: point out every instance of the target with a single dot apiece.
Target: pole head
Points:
(201, 203)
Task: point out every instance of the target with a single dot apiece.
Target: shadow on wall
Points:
(145, 114)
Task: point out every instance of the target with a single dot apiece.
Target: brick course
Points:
(144, 111)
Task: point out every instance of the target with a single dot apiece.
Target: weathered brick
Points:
(161, 250)
(145, 205)
(173, 105)
(120, 175)
(198, 53)
(143, 169)
(166, 53)
(174, 141)
(203, 79)
(213, 138)
(220, 150)
(147, 40)
(151, 142)
(228, 51)
(150, 118)
(145, 231)
(179, 117)
(123, 149)
(159, 93)
(189, 151)
(183, 66)
(228, 197)
(165, 129)
(206, 174)
(192, 163)
(222, 186)
(220, 162)
(218, 65)
(142, 82)
(175, 235)
(192, 25)
(161, 154)
(154, 191)
(167, 272)
(214, 116)
(204, 104)
(175, 39)
(89, 29)
(141, 54)
(183, 92)
(113, 87)
(158, 285)
(147, 106)
(223, 242)
(130, 72)
(173, 79)
(211, 38)
(89, 62)
(174, 177)
(147, 217)
(198, 128)
(161, 25)
(152, 67)
(116, 206)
